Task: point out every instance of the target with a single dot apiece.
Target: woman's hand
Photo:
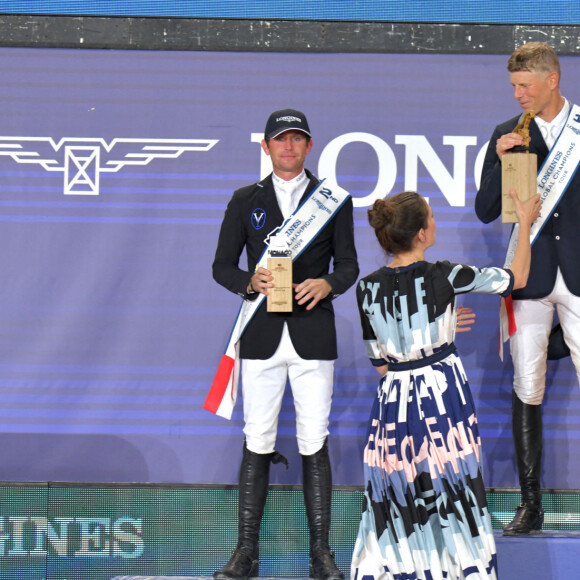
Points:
(528, 211)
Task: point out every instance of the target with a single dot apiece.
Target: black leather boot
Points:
(317, 486)
(253, 490)
(527, 433)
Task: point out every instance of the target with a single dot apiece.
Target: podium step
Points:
(551, 555)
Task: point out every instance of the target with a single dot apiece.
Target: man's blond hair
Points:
(536, 57)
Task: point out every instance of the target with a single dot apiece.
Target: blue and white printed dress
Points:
(425, 512)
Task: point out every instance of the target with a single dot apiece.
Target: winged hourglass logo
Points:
(82, 160)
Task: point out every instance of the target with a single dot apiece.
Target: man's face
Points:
(534, 91)
(288, 151)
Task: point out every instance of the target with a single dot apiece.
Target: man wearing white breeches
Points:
(554, 280)
(299, 346)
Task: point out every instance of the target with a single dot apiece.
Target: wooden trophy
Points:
(519, 172)
(280, 297)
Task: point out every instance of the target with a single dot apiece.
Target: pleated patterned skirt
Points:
(425, 512)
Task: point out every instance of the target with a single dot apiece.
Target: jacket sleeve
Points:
(345, 268)
(488, 197)
(231, 242)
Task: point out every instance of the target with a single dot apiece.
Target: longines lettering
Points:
(292, 227)
(416, 151)
(22, 536)
(299, 232)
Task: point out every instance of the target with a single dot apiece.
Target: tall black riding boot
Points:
(317, 486)
(527, 433)
(253, 490)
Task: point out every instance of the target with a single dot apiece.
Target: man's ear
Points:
(265, 147)
(554, 79)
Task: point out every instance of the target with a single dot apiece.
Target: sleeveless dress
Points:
(425, 512)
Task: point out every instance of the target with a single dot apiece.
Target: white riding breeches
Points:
(263, 385)
(529, 345)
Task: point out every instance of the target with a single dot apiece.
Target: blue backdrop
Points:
(491, 11)
(115, 170)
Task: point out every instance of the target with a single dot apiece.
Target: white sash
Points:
(554, 177)
(295, 235)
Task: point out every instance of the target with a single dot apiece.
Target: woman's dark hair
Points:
(397, 219)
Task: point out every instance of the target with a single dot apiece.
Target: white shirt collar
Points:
(551, 130)
(291, 184)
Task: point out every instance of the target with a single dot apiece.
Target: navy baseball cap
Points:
(286, 120)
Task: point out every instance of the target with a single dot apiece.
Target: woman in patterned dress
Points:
(425, 514)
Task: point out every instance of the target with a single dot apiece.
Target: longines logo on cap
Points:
(83, 160)
(289, 119)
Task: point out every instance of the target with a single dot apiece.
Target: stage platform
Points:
(63, 531)
(551, 555)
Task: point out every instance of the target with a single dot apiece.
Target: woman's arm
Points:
(527, 212)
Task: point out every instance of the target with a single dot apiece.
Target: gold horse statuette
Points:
(523, 127)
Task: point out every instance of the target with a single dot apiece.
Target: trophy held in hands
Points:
(280, 297)
(519, 172)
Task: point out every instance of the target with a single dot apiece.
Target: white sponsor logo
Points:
(450, 177)
(83, 160)
(97, 537)
(289, 119)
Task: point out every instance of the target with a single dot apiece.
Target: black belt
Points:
(422, 362)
